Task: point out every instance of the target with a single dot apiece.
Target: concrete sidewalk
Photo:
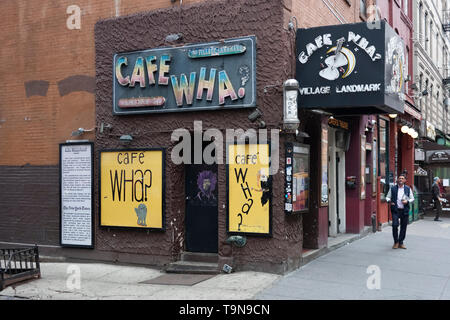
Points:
(422, 271)
(106, 281)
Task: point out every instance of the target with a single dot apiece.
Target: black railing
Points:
(18, 265)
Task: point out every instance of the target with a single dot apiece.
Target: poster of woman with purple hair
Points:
(206, 183)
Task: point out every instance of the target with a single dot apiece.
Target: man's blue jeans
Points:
(403, 217)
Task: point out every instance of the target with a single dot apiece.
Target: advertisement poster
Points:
(76, 183)
(324, 166)
(300, 180)
(363, 168)
(249, 189)
(132, 188)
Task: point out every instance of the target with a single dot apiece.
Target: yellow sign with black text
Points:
(249, 189)
(131, 188)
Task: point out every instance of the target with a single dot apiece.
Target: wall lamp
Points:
(254, 116)
(80, 131)
(290, 111)
(174, 37)
(126, 139)
(409, 130)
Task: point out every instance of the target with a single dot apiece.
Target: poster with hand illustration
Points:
(132, 188)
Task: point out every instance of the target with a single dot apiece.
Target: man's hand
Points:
(404, 201)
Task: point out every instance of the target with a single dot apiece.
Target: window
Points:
(420, 21)
(430, 38)
(425, 32)
(427, 107)
(407, 69)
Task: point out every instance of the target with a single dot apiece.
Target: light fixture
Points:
(290, 112)
(415, 135)
(411, 131)
(174, 37)
(393, 115)
(404, 129)
(104, 126)
(80, 131)
(126, 138)
(254, 116)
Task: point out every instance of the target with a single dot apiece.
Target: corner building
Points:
(120, 49)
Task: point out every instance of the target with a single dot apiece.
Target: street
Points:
(362, 270)
(422, 271)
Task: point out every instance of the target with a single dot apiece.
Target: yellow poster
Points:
(131, 188)
(249, 188)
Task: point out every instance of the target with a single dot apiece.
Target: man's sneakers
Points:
(437, 219)
(402, 246)
(395, 246)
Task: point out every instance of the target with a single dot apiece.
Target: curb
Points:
(320, 252)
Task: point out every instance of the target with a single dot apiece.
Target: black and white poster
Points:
(76, 192)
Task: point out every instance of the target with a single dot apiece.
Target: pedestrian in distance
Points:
(399, 196)
(437, 197)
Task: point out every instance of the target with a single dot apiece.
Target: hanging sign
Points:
(249, 189)
(132, 188)
(76, 190)
(351, 69)
(205, 76)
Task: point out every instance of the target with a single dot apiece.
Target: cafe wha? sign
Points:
(351, 69)
(197, 77)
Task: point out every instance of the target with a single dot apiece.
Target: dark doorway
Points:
(201, 216)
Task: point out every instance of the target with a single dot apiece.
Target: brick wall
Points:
(47, 91)
(48, 84)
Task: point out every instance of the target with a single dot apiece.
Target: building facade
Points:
(84, 73)
(431, 66)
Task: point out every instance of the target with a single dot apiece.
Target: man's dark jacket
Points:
(394, 192)
(435, 191)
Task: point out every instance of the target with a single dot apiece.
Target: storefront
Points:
(193, 160)
(348, 75)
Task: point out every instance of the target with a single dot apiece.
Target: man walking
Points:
(401, 196)
(436, 192)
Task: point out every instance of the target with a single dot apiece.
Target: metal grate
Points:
(18, 265)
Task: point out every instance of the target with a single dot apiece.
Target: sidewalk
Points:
(105, 281)
(422, 271)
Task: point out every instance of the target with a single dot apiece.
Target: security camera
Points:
(254, 115)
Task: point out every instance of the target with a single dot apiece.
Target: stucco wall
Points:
(202, 22)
